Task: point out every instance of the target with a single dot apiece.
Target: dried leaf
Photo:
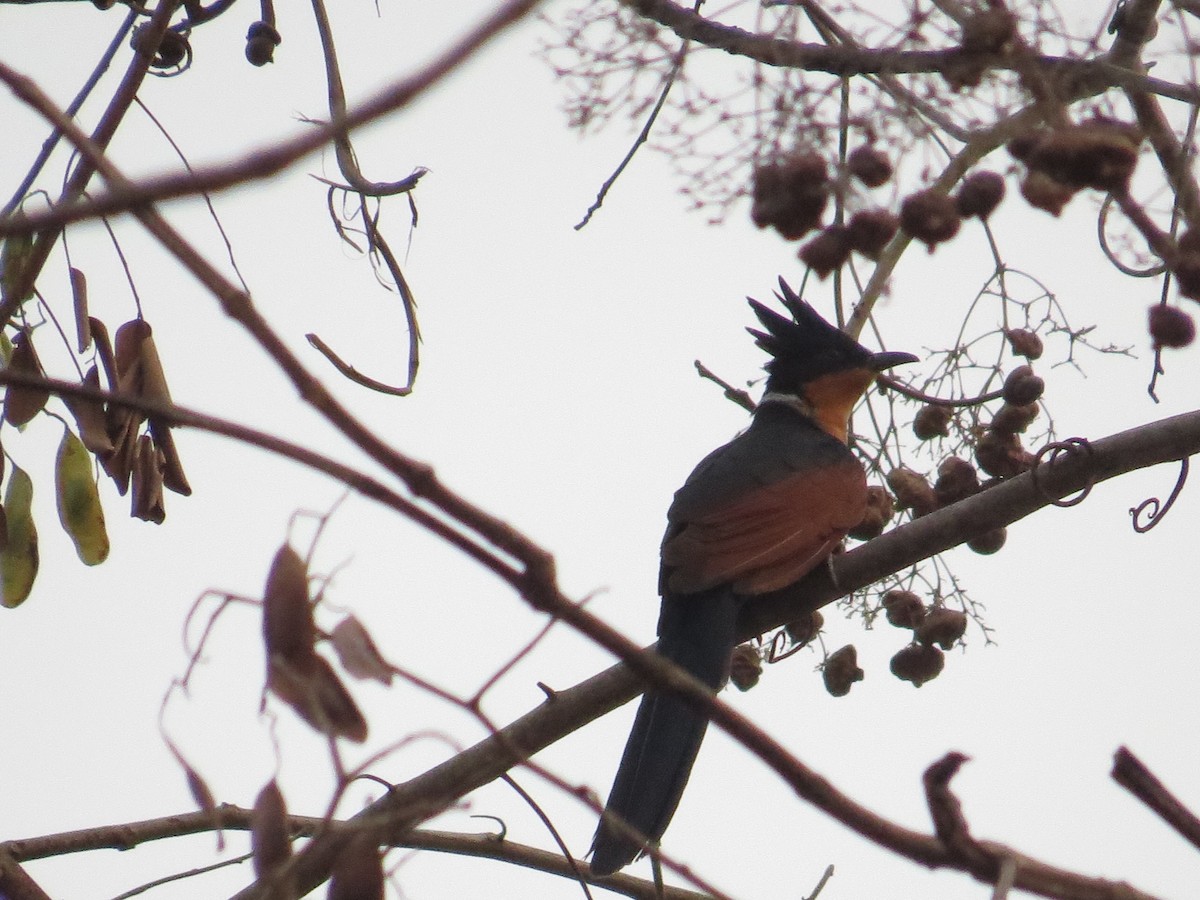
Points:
(173, 477)
(357, 651)
(146, 500)
(79, 507)
(270, 840)
(13, 259)
(311, 688)
(83, 330)
(23, 403)
(104, 349)
(19, 559)
(358, 872)
(90, 417)
(289, 632)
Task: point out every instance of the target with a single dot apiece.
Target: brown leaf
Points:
(173, 477)
(83, 331)
(146, 500)
(270, 840)
(23, 403)
(289, 632)
(358, 872)
(357, 651)
(104, 350)
(311, 688)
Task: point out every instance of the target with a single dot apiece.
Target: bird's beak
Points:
(889, 358)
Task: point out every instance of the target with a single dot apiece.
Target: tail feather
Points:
(697, 633)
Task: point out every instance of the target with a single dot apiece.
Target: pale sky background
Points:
(556, 391)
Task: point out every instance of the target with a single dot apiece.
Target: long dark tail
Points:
(696, 631)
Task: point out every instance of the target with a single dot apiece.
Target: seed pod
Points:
(310, 687)
(870, 230)
(1001, 455)
(988, 31)
(870, 166)
(903, 609)
(1022, 387)
(828, 251)
(358, 872)
(357, 652)
(1043, 192)
(989, 542)
(79, 508)
(261, 41)
(912, 491)
(841, 671)
(932, 421)
(270, 840)
(1170, 326)
(917, 663)
(804, 629)
(957, 480)
(288, 628)
(979, 194)
(942, 626)
(930, 216)
(1099, 154)
(23, 403)
(1012, 419)
(791, 195)
(1024, 343)
(880, 510)
(19, 558)
(745, 667)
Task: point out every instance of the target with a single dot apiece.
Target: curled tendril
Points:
(1071, 447)
(1151, 271)
(1153, 509)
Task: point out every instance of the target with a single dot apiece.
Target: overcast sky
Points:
(556, 391)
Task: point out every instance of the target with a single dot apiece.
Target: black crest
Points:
(806, 348)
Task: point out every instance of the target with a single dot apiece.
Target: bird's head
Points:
(814, 365)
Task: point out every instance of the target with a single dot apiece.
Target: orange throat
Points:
(830, 399)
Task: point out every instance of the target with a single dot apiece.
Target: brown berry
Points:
(930, 216)
(918, 663)
(803, 630)
(1012, 419)
(1043, 192)
(932, 421)
(791, 195)
(957, 480)
(1022, 387)
(841, 671)
(1099, 154)
(880, 510)
(979, 194)
(942, 626)
(1001, 455)
(827, 251)
(870, 230)
(903, 609)
(261, 41)
(1170, 326)
(870, 166)
(912, 491)
(745, 667)
(1024, 343)
(989, 542)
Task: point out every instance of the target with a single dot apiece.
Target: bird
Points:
(756, 515)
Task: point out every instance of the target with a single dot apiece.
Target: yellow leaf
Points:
(19, 559)
(79, 507)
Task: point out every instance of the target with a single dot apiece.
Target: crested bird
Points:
(756, 515)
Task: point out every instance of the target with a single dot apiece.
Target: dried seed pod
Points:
(988, 31)
(310, 687)
(870, 166)
(261, 41)
(745, 667)
(803, 630)
(791, 195)
(979, 194)
(870, 230)
(288, 628)
(942, 626)
(930, 216)
(357, 652)
(1100, 154)
(1022, 387)
(1012, 419)
(828, 251)
(841, 671)
(904, 609)
(1001, 455)
(1170, 326)
(270, 840)
(918, 663)
(1024, 343)
(957, 480)
(912, 491)
(880, 510)
(932, 421)
(1043, 192)
(989, 542)
(23, 403)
